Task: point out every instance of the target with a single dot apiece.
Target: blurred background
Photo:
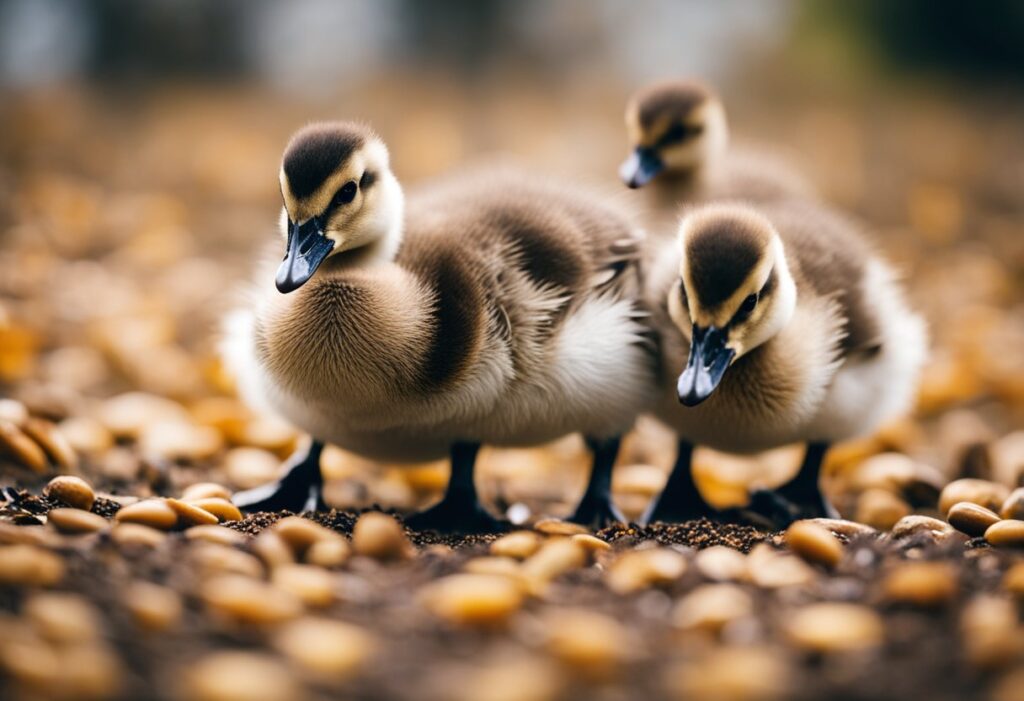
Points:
(139, 150)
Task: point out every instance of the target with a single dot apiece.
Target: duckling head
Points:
(674, 127)
(734, 292)
(339, 195)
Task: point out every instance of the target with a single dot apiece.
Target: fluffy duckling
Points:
(496, 309)
(778, 325)
(681, 153)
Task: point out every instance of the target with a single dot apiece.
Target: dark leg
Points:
(595, 508)
(299, 490)
(459, 511)
(680, 500)
(799, 498)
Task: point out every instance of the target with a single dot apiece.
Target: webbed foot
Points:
(300, 489)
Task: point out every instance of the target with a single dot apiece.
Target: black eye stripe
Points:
(345, 194)
(679, 132)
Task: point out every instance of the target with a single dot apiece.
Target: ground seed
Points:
(206, 490)
(223, 509)
(246, 600)
(639, 569)
(155, 513)
(971, 519)
(63, 618)
(1007, 533)
(590, 643)
(331, 649)
(924, 584)
(711, 607)
(239, 676)
(814, 543)
(329, 553)
(381, 537)
(191, 514)
(915, 524)
(991, 495)
(1013, 506)
(71, 490)
(153, 607)
(29, 565)
(53, 443)
(835, 627)
(215, 534)
(519, 544)
(311, 584)
(19, 447)
(555, 526)
(473, 599)
(136, 534)
(74, 521)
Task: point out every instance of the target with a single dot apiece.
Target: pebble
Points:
(1006, 533)
(71, 490)
(510, 677)
(29, 565)
(765, 676)
(20, 448)
(136, 534)
(74, 521)
(328, 553)
(333, 650)
(971, 519)
(24, 535)
(518, 544)
(53, 443)
(247, 600)
(814, 543)
(880, 508)
(992, 638)
(191, 514)
(991, 495)
(590, 643)
(215, 534)
(206, 490)
(31, 662)
(473, 599)
(1013, 507)
(127, 414)
(914, 524)
(720, 563)
(710, 607)
(311, 584)
(239, 676)
(925, 584)
(155, 513)
(835, 627)
(639, 569)
(153, 608)
(555, 526)
(771, 569)
(381, 537)
(251, 467)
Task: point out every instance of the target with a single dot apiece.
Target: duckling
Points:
(495, 308)
(681, 153)
(784, 326)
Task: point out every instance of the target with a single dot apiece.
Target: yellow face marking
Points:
(302, 209)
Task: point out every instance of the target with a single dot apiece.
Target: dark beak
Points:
(641, 167)
(709, 359)
(307, 249)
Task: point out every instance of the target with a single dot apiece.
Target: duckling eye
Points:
(746, 307)
(346, 193)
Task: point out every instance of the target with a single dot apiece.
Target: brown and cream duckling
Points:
(680, 153)
(498, 308)
(778, 325)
